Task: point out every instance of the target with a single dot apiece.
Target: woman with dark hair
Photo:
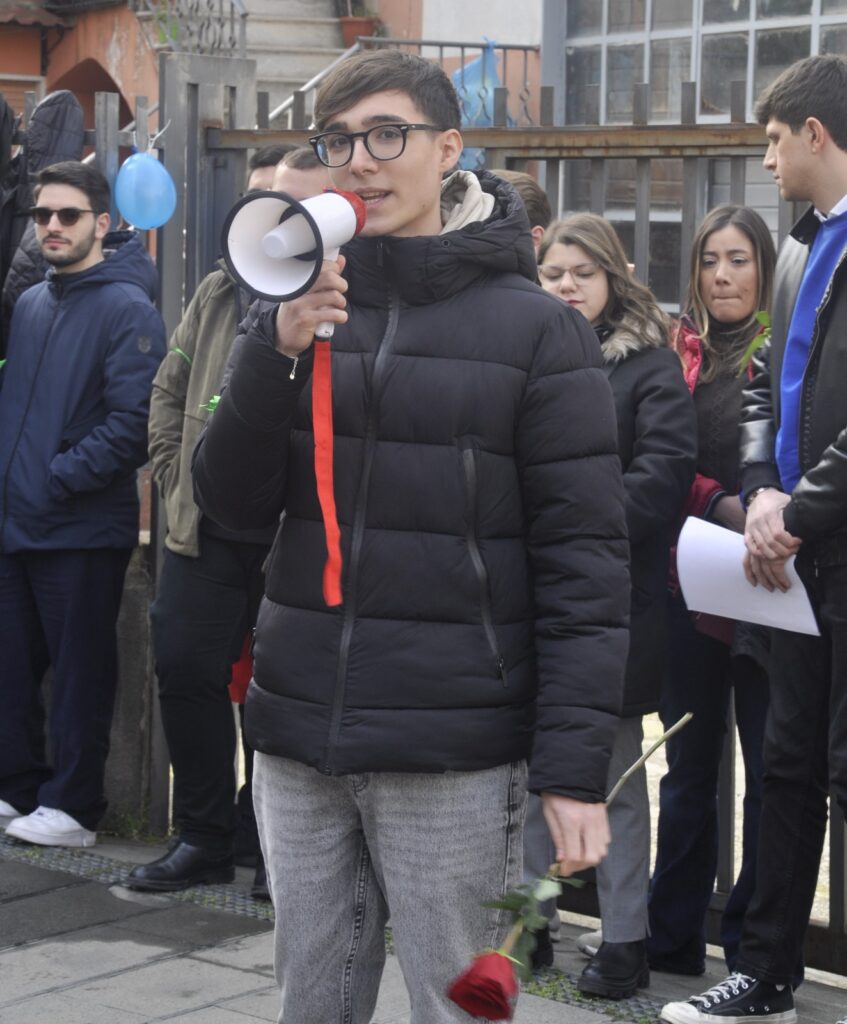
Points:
(731, 280)
(582, 262)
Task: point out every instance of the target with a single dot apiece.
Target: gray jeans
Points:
(344, 852)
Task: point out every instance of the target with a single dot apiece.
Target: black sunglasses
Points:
(68, 215)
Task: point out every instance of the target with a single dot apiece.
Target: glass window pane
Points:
(583, 70)
(624, 67)
(671, 13)
(783, 8)
(834, 40)
(833, 6)
(670, 66)
(626, 15)
(776, 50)
(585, 18)
(724, 60)
(725, 10)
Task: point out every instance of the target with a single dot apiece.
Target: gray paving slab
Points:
(74, 905)
(60, 1009)
(261, 1005)
(181, 984)
(189, 925)
(18, 879)
(250, 953)
(43, 967)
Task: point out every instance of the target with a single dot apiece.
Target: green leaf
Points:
(546, 889)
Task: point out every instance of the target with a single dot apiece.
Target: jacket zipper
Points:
(14, 448)
(469, 464)
(358, 533)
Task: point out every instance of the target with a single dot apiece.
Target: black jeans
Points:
(702, 678)
(805, 749)
(58, 607)
(203, 608)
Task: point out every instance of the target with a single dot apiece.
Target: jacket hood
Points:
(55, 131)
(628, 338)
(428, 268)
(126, 262)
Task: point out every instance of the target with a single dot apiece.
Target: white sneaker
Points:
(589, 942)
(7, 812)
(47, 826)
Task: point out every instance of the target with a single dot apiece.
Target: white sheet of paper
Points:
(709, 565)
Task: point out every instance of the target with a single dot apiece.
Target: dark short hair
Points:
(269, 156)
(86, 177)
(533, 195)
(388, 70)
(302, 158)
(812, 87)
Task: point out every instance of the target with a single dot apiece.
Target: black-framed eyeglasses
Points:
(68, 215)
(383, 142)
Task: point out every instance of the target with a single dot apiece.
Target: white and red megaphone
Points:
(274, 245)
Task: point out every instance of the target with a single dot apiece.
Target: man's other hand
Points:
(580, 832)
(768, 543)
(297, 321)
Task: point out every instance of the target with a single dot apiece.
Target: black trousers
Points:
(58, 608)
(805, 753)
(203, 609)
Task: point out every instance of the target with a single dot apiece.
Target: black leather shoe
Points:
(616, 970)
(542, 955)
(259, 890)
(180, 868)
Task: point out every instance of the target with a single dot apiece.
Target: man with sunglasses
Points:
(484, 585)
(74, 390)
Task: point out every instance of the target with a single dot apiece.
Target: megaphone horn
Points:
(274, 244)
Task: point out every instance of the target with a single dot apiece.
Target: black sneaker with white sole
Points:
(738, 1000)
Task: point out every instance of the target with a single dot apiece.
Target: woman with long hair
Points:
(730, 286)
(582, 262)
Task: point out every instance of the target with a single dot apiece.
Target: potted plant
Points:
(356, 20)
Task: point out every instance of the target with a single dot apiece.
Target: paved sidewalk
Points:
(76, 947)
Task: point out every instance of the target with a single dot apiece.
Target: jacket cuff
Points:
(265, 382)
(759, 474)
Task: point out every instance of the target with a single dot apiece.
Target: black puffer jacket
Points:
(480, 501)
(657, 433)
(817, 511)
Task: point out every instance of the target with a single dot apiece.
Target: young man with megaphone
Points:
(483, 588)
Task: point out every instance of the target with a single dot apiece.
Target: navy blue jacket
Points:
(74, 397)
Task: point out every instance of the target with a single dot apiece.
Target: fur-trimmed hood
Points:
(627, 338)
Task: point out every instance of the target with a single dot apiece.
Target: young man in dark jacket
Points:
(484, 590)
(794, 474)
(83, 349)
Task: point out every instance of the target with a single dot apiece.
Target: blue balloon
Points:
(144, 192)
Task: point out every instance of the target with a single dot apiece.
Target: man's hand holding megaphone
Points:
(298, 320)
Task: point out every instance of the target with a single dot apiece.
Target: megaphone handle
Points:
(325, 329)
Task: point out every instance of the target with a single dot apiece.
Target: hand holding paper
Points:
(710, 563)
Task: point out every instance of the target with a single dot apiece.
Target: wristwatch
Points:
(748, 498)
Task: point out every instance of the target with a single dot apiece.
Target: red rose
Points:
(487, 988)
